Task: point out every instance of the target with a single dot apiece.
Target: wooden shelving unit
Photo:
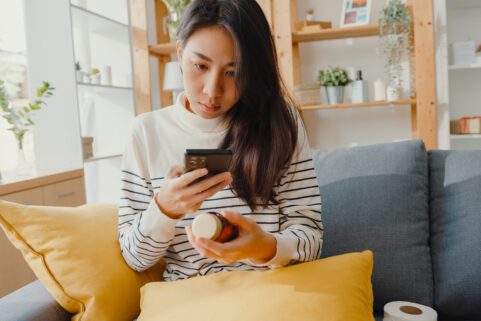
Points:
(282, 18)
(162, 49)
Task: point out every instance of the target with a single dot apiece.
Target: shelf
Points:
(466, 136)
(463, 4)
(162, 49)
(95, 23)
(98, 15)
(97, 158)
(461, 67)
(336, 33)
(359, 105)
(82, 84)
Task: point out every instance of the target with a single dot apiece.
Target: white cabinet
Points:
(97, 34)
(459, 85)
(102, 40)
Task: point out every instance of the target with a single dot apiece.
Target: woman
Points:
(233, 99)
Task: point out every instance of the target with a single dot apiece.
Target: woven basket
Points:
(308, 94)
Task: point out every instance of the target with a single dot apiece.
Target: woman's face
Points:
(208, 66)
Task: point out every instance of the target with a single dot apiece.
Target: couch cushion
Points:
(74, 252)
(334, 288)
(31, 303)
(455, 180)
(376, 197)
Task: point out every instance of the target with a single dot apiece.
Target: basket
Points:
(308, 94)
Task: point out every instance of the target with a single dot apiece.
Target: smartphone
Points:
(215, 160)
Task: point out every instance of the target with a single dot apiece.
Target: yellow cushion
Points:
(335, 288)
(75, 253)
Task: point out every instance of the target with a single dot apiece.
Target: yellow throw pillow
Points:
(335, 288)
(75, 253)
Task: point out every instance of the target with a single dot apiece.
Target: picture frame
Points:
(355, 13)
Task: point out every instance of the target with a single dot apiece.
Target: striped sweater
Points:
(158, 140)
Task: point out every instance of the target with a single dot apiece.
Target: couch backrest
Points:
(455, 192)
(376, 197)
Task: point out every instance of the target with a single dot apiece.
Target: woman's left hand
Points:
(252, 243)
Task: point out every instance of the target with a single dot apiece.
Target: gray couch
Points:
(418, 211)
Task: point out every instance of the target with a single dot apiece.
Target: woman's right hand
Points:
(176, 197)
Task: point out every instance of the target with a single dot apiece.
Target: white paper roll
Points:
(407, 311)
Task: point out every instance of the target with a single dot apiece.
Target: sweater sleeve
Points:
(301, 229)
(144, 232)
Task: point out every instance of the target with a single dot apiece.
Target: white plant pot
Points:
(106, 78)
(95, 79)
(379, 90)
(79, 75)
(335, 94)
(86, 79)
(393, 93)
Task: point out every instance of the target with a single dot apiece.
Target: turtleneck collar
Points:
(194, 122)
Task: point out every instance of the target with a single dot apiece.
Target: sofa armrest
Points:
(31, 302)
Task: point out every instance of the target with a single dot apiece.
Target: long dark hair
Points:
(262, 126)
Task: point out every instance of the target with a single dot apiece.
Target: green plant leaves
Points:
(333, 77)
(19, 117)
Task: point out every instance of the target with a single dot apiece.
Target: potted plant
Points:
(176, 9)
(78, 71)
(20, 118)
(310, 15)
(95, 76)
(334, 79)
(395, 43)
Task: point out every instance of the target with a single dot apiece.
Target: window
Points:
(13, 72)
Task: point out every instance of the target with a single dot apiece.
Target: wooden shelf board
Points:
(462, 67)
(336, 33)
(465, 136)
(359, 105)
(162, 49)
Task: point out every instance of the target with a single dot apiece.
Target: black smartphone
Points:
(215, 160)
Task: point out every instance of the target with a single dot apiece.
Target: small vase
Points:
(335, 94)
(22, 168)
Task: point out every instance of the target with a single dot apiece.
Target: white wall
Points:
(464, 86)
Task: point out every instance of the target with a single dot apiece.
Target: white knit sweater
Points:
(158, 141)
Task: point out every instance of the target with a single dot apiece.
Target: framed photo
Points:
(355, 12)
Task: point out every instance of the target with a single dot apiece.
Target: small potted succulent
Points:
(310, 15)
(334, 79)
(95, 76)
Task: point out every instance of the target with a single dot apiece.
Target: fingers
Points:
(210, 249)
(193, 241)
(239, 220)
(205, 194)
(189, 177)
(222, 178)
(174, 171)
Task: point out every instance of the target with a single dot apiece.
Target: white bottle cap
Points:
(207, 225)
